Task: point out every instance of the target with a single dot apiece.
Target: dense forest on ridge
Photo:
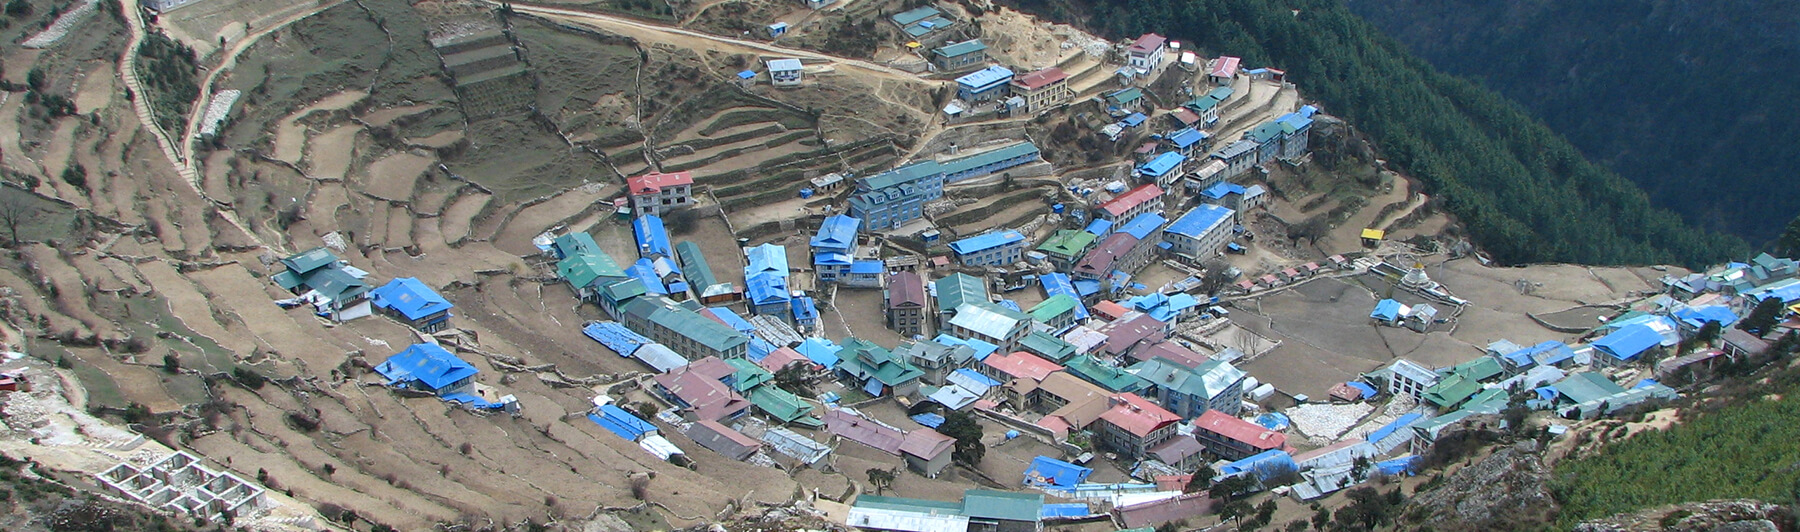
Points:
(1524, 193)
(1691, 99)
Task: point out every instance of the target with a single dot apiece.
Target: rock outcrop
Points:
(1738, 515)
(1508, 487)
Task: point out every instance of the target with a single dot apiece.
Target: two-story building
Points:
(955, 290)
(1199, 234)
(1134, 425)
(657, 193)
(410, 301)
(1230, 438)
(990, 323)
(876, 370)
(983, 85)
(989, 249)
(905, 298)
(1239, 157)
(1123, 207)
(1066, 246)
(1146, 53)
(786, 72)
(834, 247)
(682, 329)
(1044, 89)
(1208, 106)
(890, 199)
(958, 55)
(1020, 372)
(1189, 392)
(1163, 169)
(936, 361)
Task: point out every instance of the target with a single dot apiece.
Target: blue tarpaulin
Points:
(873, 387)
(620, 422)
(929, 420)
(1065, 510)
(1367, 391)
(1397, 466)
(1388, 429)
(1264, 465)
(1273, 421)
(1047, 471)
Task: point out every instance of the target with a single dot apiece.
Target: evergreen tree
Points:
(962, 426)
(1763, 317)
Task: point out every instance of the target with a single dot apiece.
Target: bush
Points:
(248, 378)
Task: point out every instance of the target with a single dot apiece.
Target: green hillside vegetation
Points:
(1523, 193)
(1691, 99)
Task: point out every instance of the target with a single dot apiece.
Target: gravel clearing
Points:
(1322, 424)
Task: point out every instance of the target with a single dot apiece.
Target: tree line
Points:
(1523, 192)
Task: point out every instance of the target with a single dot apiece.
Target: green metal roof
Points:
(1113, 379)
(1125, 96)
(693, 265)
(959, 288)
(902, 175)
(961, 48)
(1480, 369)
(1265, 133)
(309, 260)
(286, 280)
(622, 290)
(779, 404)
(576, 243)
(1044, 345)
(746, 375)
(581, 270)
(700, 329)
(1011, 506)
(1587, 386)
(335, 283)
(985, 158)
(867, 360)
(1451, 391)
(1068, 242)
(908, 505)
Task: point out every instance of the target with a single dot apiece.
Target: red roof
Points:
(905, 288)
(1224, 67)
(1233, 428)
(1022, 365)
(1123, 203)
(1138, 415)
(1037, 80)
(1187, 117)
(1172, 482)
(780, 358)
(926, 443)
(1148, 43)
(1056, 425)
(654, 183)
(1147, 147)
(1112, 310)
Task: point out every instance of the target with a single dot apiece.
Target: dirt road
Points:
(657, 32)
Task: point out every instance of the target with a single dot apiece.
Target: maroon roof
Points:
(1172, 352)
(1138, 415)
(1185, 116)
(1124, 334)
(905, 288)
(1100, 260)
(864, 431)
(926, 443)
(1154, 513)
(1177, 449)
(1148, 43)
(1037, 80)
(705, 394)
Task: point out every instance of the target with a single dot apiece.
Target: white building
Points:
(1198, 235)
(785, 72)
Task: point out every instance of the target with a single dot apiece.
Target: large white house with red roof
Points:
(655, 194)
(1146, 53)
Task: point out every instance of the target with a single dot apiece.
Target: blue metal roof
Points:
(766, 288)
(732, 319)
(1134, 119)
(1087, 287)
(615, 336)
(837, 232)
(804, 310)
(868, 267)
(410, 298)
(1144, 225)
(747, 74)
(1222, 189)
(1100, 227)
(622, 423)
(1698, 316)
(986, 241)
(426, 363)
(1199, 220)
(758, 349)
(1047, 471)
(1186, 137)
(982, 349)
(1162, 164)
(1390, 428)
(976, 376)
(766, 258)
(820, 351)
(645, 272)
(832, 259)
(1629, 341)
(1386, 310)
(985, 77)
(652, 239)
(929, 420)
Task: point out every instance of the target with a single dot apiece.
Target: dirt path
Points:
(695, 39)
(1347, 236)
(198, 112)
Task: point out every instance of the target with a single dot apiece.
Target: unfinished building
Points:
(180, 484)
